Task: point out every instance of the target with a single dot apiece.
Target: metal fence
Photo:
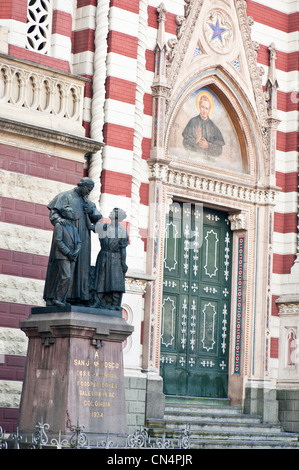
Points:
(78, 439)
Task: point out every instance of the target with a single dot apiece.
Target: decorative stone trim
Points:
(41, 89)
(48, 135)
(239, 308)
(136, 283)
(211, 185)
(237, 221)
(288, 305)
(138, 121)
(98, 90)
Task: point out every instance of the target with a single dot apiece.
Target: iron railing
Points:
(140, 439)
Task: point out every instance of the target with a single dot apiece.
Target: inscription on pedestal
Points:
(97, 383)
(97, 389)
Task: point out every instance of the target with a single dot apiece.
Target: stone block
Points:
(74, 372)
(155, 399)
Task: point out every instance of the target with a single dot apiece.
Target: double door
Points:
(196, 302)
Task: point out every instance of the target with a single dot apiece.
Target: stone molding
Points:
(136, 283)
(215, 186)
(138, 121)
(50, 136)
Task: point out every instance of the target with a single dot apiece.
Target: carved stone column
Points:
(155, 243)
(98, 99)
(153, 297)
(136, 248)
(273, 120)
(260, 388)
(239, 227)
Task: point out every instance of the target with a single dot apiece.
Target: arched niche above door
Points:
(205, 130)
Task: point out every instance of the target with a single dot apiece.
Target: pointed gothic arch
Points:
(243, 118)
(245, 196)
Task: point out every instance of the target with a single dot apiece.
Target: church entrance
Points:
(196, 302)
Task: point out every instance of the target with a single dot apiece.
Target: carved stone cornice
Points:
(161, 91)
(210, 185)
(49, 135)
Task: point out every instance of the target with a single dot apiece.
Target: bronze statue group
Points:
(70, 279)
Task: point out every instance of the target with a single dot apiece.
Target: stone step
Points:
(202, 409)
(215, 424)
(249, 444)
(207, 413)
(197, 415)
(181, 400)
(212, 427)
(232, 437)
(244, 436)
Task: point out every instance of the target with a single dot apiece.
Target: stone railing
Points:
(41, 96)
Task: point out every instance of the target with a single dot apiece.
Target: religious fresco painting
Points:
(203, 133)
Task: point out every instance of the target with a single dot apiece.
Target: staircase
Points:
(214, 424)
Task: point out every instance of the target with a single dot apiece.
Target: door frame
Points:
(249, 198)
(249, 212)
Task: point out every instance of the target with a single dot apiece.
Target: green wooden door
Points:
(196, 302)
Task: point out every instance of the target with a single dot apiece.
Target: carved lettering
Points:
(96, 383)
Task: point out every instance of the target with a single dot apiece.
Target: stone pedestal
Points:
(74, 371)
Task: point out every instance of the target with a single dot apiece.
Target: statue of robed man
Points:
(85, 216)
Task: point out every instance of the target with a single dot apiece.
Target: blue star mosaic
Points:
(218, 30)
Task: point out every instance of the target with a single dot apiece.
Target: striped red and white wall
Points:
(279, 23)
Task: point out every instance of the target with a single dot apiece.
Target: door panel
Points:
(196, 302)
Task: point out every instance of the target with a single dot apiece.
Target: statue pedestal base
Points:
(74, 372)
